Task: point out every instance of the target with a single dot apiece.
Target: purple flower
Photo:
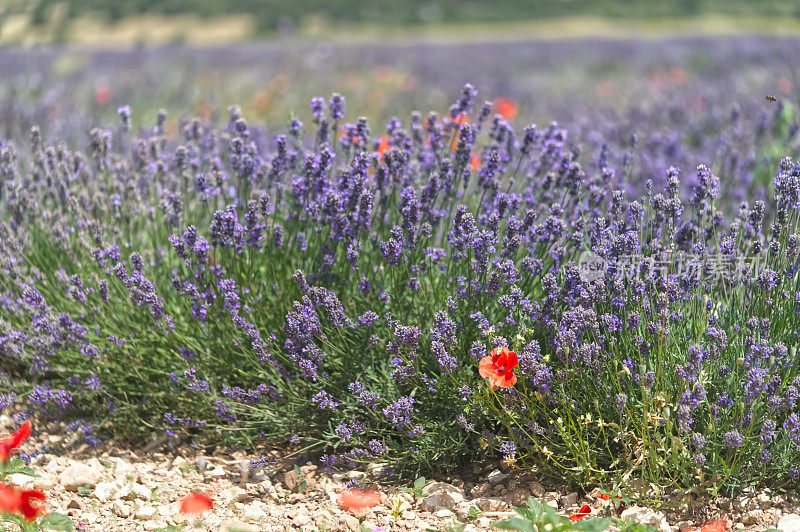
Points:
(732, 439)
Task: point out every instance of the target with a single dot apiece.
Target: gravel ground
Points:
(113, 489)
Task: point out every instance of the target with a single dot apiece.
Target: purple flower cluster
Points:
(345, 286)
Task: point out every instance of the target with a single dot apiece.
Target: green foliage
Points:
(56, 521)
(419, 483)
(538, 517)
(270, 15)
(15, 466)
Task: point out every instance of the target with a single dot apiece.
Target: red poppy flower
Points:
(196, 503)
(720, 525)
(30, 510)
(497, 367)
(461, 119)
(475, 163)
(102, 94)
(14, 501)
(359, 500)
(605, 497)
(581, 514)
(506, 107)
(383, 146)
(9, 499)
(12, 441)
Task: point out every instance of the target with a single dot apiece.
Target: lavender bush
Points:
(336, 287)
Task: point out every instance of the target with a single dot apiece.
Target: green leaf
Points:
(57, 521)
(27, 471)
(516, 523)
(541, 513)
(592, 525)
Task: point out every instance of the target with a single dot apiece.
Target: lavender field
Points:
(579, 256)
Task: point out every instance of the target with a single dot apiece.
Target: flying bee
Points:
(771, 98)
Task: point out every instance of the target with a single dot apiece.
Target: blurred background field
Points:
(213, 19)
(683, 80)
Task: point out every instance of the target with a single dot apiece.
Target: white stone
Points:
(145, 512)
(234, 493)
(646, 516)
(122, 509)
(489, 504)
(124, 492)
(142, 492)
(104, 491)
(301, 519)
(23, 481)
(253, 512)
(124, 471)
(77, 475)
(789, 523)
(46, 482)
(496, 477)
(217, 472)
(440, 495)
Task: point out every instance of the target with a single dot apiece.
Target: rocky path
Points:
(116, 490)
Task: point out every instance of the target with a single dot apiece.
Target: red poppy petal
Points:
(359, 500)
(196, 503)
(22, 434)
(720, 525)
(499, 351)
(9, 499)
(486, 367)
(582, 513)
(12, 441)
(29, 510)
(512, 361)
(504, 380)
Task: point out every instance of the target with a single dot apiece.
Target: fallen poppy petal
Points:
(196, 503)
(720, 525)
(581, 514)
(359, 500)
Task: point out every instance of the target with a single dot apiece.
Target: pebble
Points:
(569, 500)
(150, 488)
(489, 504)
(440, 495)
(78, 474)
(496, 477)
(142, 492)
(789, 523)
(145, 512)
(647, 516)
(104, 491)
